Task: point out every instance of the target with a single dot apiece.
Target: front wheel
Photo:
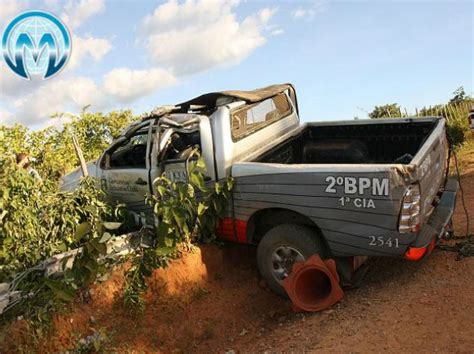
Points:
(281, 247)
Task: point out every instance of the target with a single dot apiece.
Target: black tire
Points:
(303, 239)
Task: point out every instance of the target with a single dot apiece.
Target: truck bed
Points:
(383, 143)
(318, 172)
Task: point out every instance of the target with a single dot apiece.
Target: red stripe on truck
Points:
(241, 230)
(225, 230)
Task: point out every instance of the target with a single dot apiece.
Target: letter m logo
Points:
(45, 46)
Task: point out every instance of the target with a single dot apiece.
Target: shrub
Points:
(38, 221)
(183, 211)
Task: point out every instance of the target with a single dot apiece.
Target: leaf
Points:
(201, 164)
(91, 209)
(164, 251)
(105, 237)
(82, 230)
(96, 344)
(168, 241)
(103, 277)
(91, 265)
(89, 247)
(100, 247)
(230, 183)
(112, 225)
(217, 206)
(162, 230)
(59, 290)
(197, 180)
(202, 209)
(190, 191)
(178, 217)
(161, 190)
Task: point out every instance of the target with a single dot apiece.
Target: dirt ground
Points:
(212, 300)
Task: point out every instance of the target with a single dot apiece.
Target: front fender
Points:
(70, 182)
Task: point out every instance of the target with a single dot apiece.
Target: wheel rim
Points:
(283, 259)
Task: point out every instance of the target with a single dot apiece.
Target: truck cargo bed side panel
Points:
(353, 210)
(430, 163)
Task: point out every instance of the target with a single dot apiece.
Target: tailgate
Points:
(430, 165)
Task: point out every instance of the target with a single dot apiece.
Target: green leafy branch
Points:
(37, 222)
(184, 211)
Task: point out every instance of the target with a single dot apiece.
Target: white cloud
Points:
(11, 84)
(299, 12)
(173, 15)
(9, 9)
(5, 116)
(94, 48)
(78, 11)
(180, 37)
(195, 36)
(277, 32)
(126, 85)
(313, 8)
(274, 30)
(75, 12)
(57, 96)
(119, 86)
(33, 102)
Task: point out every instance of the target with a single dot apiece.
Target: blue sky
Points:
(344, 57)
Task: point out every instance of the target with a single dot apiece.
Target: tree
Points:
(459, 96)
(389, 110)
(53, 147)
(455, 111)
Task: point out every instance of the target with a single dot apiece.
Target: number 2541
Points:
(380, 241)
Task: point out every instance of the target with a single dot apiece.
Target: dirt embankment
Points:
(203, 301)
(212, 300)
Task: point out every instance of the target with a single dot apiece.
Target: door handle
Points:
(141, 182)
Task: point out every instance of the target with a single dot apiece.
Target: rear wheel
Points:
(281, 247)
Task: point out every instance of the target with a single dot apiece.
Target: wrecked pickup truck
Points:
(338, 189)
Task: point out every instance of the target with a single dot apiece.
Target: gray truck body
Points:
(349, 180)
(353, 205)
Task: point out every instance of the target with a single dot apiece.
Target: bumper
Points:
(435, 227)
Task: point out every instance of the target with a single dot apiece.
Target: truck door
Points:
(174, 155)
(177, 148)
(125, 171)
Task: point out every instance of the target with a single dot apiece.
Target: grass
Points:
(466, 163)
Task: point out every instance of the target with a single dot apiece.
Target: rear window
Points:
(249, 119)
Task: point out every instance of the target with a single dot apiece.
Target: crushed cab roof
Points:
(210, 99)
